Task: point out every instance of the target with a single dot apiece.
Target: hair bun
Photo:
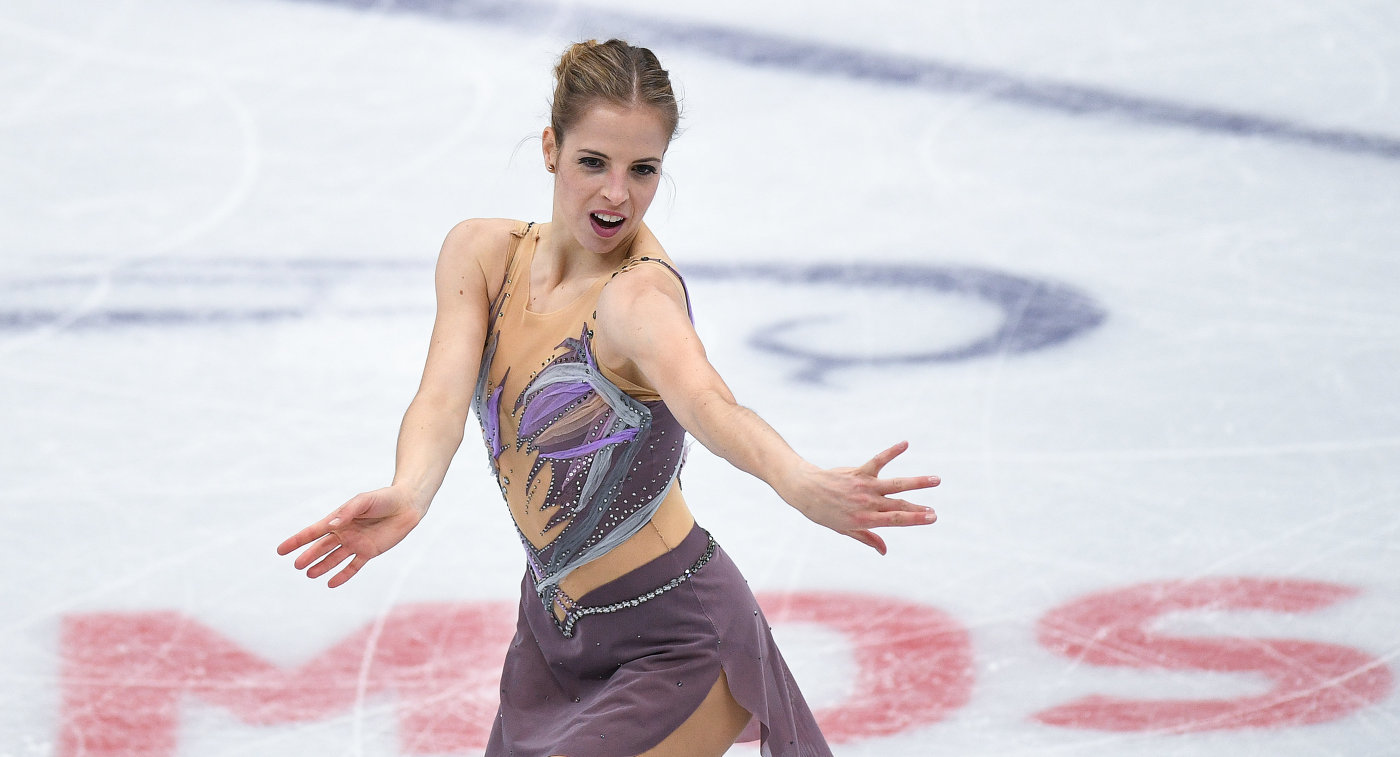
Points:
(614, 72)
(570, 57)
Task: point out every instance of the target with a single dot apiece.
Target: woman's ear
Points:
(551, 149)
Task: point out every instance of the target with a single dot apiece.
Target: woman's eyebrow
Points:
(605, 157)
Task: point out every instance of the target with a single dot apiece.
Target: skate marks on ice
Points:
(764, 50)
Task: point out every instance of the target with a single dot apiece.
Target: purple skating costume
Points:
(617, 670)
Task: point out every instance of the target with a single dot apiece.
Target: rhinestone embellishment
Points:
(566, 627)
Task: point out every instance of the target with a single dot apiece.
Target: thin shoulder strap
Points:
(516, 237)
(497, 305)
(634, 262)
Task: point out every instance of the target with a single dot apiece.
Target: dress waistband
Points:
(641, 584)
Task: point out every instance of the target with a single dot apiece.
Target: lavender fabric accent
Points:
(590, 447)
(590, 434)
(493, 414)
(626, 680)
(488, 407)
(551, 399)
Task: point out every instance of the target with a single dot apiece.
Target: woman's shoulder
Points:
(647, 270)
(478, 235)
(647, 246)
(482, 244)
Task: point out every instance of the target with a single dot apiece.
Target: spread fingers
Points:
(882, 459)
(340, 555)
(317, 551)
(349, 571)
(906, 518)
(906, 483)
(897, 512)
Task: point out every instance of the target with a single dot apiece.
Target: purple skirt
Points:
(642, 658)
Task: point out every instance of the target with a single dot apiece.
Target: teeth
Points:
(606, 218)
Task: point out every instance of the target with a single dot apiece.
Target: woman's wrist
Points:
(792, 480)
(419, 497)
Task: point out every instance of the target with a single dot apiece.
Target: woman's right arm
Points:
(433, 425)
(469, 268)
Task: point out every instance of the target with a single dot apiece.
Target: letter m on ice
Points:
(127, 676)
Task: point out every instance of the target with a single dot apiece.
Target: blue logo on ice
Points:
(1028, 314)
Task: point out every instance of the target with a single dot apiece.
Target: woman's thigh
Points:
(710, 730)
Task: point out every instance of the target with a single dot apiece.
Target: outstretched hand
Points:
(364, 527)
(852, 501)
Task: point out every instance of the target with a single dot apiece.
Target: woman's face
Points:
(606, 172)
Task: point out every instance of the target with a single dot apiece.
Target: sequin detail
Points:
(604, 459)
(574, 612)
(610, 460)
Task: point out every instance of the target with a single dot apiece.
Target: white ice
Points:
(217, 227)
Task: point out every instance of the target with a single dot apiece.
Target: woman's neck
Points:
(566, 259)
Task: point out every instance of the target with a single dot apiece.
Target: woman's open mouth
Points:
(606, 224)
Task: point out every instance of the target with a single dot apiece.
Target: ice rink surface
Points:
(1125, 275)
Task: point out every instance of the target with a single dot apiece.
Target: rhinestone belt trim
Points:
(566, 627)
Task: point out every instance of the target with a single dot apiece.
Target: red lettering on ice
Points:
(126, 674)
(914, 663)
(1312, 682)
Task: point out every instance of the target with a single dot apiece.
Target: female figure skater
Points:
(572, 342)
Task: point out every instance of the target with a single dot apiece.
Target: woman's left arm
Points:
(642, 321)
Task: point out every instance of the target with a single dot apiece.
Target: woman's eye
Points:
(645, 169)
(590, 162)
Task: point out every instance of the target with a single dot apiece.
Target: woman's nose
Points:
(615, 189)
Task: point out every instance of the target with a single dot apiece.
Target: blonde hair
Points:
(615, 72)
